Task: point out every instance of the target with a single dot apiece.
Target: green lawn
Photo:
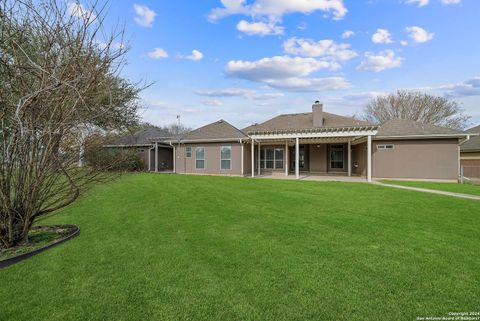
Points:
(447, 187)
(167, 247)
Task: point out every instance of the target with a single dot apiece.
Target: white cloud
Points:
(451, 1)
(277, 9)
(347, 34)
(323, 48)
(238, 92)
(469, 87)
(404, 43)
(284, 72)
(158, 53)
(302, 26)
(310, 84)
(419, 35)
(260, 28)
(144, 15)
(195, 56)
(420, 3)
(212, 102)
(77, 10)
(277, 67)
(382, 36)
(383, 60)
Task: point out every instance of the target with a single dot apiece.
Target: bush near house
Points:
(114, 159)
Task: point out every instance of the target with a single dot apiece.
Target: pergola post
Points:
(297, 158)
(369, 158)
(349, 165)
(156, 156)
(286, 158)
(253, 158)
(149, 159)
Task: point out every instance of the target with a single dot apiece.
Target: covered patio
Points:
(289, 150)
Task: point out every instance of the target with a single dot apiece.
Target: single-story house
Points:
(315, 142)
(156, 155)
(470, 154)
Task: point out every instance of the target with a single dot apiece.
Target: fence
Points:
(470, 174)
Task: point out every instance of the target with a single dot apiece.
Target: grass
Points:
(167, 247)
(447, 187)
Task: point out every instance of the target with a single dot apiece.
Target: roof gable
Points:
(219, 130)
(305, 121)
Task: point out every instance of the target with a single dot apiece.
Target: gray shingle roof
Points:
(142, 137)
(215, 131)
(474, 143)
(406, 127)
(304, 121)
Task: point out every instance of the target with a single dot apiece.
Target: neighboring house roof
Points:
(473, 144)
(305, 121)
(140, 138)
(219, 130)
(406, 127)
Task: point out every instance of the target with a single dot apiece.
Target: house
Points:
(143, 142)
(470, 150)
(316, 142)
(470, 155)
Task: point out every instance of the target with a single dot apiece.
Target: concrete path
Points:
(432, 191)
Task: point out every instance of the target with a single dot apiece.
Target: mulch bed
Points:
(40, 238)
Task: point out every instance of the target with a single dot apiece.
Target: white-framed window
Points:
(188, 151)
(226, 157)
(385, 147)
(200, 157)
(271, 158)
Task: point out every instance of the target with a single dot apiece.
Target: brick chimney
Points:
(317, 111)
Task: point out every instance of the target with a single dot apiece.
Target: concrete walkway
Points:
(432, 191)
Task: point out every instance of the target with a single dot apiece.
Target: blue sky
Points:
(246, 61)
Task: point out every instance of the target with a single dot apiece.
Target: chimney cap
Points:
(317, 102)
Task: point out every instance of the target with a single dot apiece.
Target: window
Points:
(200, 157)
(226, 157)
(385, 147)
(336, 156)
(188, 151)
(271, 158)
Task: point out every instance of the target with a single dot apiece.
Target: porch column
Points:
(253, 158)
(149, 159)
(258, 160)
(369, 158)
(297, 158)
(349, 165)
(156, 156)
(286, 158)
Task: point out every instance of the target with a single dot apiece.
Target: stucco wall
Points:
(212, 159)
(318, 158)
(359, 159)
(429, 159)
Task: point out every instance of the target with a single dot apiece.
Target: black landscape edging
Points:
(24, 256)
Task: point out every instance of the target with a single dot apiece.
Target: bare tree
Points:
(416, 106)
(59, 80)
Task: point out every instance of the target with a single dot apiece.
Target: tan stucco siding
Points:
(359, 159)
(247, 159)
(212, 159)
(424, 159)
(318, 158)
